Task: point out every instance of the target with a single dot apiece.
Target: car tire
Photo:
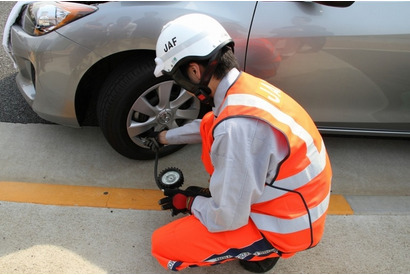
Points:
(133, 103)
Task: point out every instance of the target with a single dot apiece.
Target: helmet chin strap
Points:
(204, 95)
(203, 92)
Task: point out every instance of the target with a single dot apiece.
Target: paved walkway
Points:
(70, 204)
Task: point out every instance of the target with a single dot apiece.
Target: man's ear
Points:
(194, 71)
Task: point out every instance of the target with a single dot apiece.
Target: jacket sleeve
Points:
(186, 134)
(245, 152)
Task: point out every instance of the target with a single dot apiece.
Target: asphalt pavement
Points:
(371, 173)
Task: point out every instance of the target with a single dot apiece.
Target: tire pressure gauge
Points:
(170, 178)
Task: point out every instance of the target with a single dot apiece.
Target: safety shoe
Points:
(259, 266)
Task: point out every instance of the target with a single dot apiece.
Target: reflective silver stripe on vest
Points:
(296, 181)
(317, 159)
(286, 226)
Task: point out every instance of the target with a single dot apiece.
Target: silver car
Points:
(347, 63)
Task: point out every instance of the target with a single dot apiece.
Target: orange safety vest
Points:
(292, 210)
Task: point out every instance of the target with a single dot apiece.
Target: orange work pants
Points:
(186, 242)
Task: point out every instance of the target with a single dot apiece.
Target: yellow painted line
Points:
(338, 205)
(69, 195)
(107, 197)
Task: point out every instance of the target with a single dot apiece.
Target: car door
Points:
(348, 66)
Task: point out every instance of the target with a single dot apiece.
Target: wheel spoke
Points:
(173, 124)
(143, 106)
(183, 97)
(137, 128)
(164, 94)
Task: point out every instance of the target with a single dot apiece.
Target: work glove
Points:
(180, 201)
(151, 140)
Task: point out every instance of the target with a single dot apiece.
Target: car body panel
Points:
(62, 57)
(49, 73)
(137, 25)
(347, 66)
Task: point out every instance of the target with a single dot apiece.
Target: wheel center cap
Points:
(165, 116)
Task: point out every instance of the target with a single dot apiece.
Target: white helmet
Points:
(189, 37)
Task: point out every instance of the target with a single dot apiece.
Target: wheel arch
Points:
(90, 84)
